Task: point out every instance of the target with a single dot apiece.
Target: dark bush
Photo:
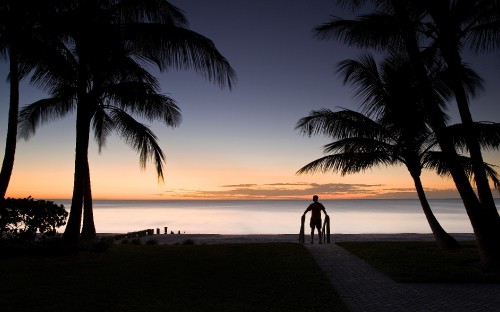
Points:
(22, 219)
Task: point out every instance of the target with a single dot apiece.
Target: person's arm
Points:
(307, 209)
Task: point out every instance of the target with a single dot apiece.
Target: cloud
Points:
(280, 190)
(304, 190)
(239, 185)
(287, 184)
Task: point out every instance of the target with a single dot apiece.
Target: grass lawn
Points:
(226, 277)
(423, 261)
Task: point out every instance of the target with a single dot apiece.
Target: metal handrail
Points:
(301, 233)
(325, 231)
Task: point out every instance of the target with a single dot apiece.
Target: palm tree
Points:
(485, 223)
(106, 83)
(473, 24)
(398, 136)
(121, 93)
(404, 25)
(20, 27)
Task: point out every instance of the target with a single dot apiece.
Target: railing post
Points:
(326, 229)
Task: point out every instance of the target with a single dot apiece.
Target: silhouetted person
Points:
(315, 208)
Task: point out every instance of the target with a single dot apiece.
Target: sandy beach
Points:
(291, 238)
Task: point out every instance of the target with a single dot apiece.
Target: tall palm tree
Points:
(485, 223)
(399, 135)
(107, 81)
(20, 27)
(122, 92)
(472, 24)
(404, 24)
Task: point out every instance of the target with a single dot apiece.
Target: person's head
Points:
(315, 198)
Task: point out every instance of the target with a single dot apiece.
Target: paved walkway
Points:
(363, 288)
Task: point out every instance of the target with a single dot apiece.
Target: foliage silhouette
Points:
(108, 82)
(443, 27)
(24, 219)
(22, 26)
(398, 135)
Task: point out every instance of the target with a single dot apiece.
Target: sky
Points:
(239, 143)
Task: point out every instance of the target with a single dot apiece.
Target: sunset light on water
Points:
(273, 216)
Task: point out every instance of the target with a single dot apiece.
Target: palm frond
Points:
(437, 162)
(140, 138)
(40, 112)
(377, 30)
(363, 75)
(338, 125)
(103, 125)
(140, 99)
(345, 163)
(482, 28)
(158, 11)
(492, 175)
(487, 133)
(56, 67)
(123, 67)
(471, 81)
(180, 48)
(359, 145)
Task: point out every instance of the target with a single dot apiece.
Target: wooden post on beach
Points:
(301, 233)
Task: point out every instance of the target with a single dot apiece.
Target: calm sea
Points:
(273, 216)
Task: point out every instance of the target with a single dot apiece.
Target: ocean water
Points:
(353, 216)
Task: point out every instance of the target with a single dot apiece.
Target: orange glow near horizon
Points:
(140, 186)
(51, 177)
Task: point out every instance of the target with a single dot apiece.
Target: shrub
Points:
(22, 219)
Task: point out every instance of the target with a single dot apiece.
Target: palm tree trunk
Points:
(88, 227)
(72, 232)
(480, 177)
(444, 240)
(485, 228)
(11, 141)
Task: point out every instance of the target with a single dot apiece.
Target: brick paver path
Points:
(363, 288)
